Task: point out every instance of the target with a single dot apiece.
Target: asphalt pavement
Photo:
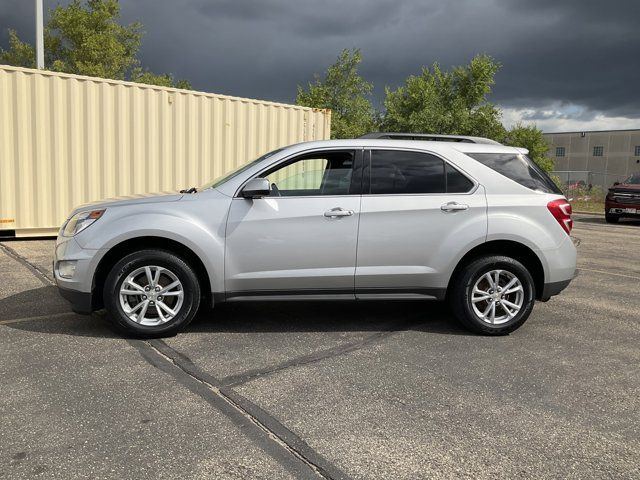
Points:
(327, 390)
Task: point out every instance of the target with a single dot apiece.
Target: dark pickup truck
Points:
(623, 199)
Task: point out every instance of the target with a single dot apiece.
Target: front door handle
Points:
(338, 212)
(453, 207)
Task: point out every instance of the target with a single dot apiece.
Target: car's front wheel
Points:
(151, 293)
(492, 295)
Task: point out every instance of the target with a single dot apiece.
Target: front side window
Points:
(325, 173)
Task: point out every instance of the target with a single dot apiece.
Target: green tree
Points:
(87, 39)
(346, 93)
(447, 102)
(19, 54)
(531, 138)
(164, 79)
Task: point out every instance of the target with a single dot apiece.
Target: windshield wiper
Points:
(190, 190)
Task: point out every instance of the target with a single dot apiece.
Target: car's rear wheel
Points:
(611, 218)
(492, 295)
(151, 293)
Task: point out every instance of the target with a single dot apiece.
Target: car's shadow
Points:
(256, 317)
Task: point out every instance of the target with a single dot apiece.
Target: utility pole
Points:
(39, 36)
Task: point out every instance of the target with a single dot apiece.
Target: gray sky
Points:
(567, 64)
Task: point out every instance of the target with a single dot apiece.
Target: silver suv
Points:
(466, 220)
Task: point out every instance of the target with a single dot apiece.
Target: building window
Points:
(598, 151)
(559, 151)
(637, 154)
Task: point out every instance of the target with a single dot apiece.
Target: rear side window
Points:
(519, 168)
(402, 172)
(396, 171)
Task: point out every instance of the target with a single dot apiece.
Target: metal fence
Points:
(68, 139)
(583, 178)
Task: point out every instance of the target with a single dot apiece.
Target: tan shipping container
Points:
(66, 140)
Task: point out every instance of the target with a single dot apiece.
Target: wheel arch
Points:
(507, 248)
(135, 244)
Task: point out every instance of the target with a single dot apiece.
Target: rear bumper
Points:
(81, 302)
(554, 288)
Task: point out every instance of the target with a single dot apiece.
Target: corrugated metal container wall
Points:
(67, 140)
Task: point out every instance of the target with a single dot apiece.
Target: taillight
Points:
(561, 211)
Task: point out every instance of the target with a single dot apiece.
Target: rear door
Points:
(418, 213)
(301, 239)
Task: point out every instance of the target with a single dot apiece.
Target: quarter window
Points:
(560, 151)
(598, 151)
(519, 168)
(457, 182)
(326, 173)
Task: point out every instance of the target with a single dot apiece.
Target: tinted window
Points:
(321, 173)
(518, 168)
(457, 182)
(394, 171)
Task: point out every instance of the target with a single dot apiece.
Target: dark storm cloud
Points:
(561, 52)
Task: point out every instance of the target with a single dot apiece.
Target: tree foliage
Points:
(19, 54)
(447, 102)
(531, 138)
(346, 93)
(87, 39)
(164, 79)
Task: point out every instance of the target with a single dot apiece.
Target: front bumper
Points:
(81, 302)
(78, 289)
(622, 209)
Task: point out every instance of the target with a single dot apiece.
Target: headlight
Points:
(80, 221)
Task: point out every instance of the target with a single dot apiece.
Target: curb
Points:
(576, 212)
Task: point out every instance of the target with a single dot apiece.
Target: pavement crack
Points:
(244, 377)
(39, 273)
(264, 430)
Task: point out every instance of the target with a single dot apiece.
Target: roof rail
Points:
(429, 137)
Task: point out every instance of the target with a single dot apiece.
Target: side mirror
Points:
(256, 188)
(616, 183)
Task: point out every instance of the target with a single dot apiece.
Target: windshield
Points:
(229, 175)
(633, 179)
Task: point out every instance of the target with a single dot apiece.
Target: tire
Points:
(611, 218)
(462, 293)
(183, 299)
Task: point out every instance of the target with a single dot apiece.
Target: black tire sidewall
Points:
(461, 299)
(142, 258)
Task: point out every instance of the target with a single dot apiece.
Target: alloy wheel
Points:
(151, 295)
(497, 297)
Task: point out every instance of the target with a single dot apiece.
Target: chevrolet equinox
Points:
(383, 217)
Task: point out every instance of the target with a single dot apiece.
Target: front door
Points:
(418, 213)
(301, 239)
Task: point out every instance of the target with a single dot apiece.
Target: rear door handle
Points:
(453, 207)
(338, 212)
